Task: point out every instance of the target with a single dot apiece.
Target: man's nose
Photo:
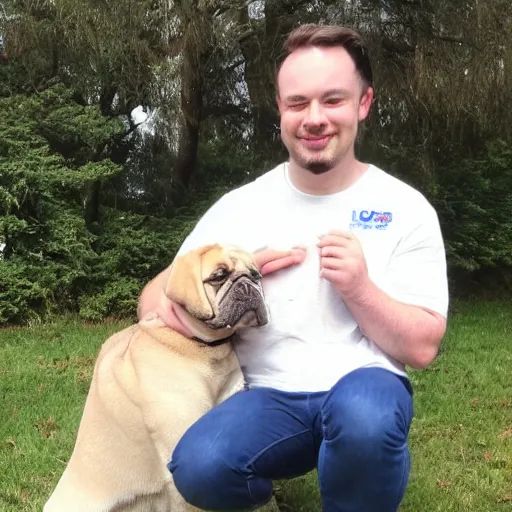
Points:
(315, 117)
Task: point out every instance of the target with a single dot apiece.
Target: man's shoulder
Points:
(244, 198)
(265, 183)
(397, 189)
(229, 219)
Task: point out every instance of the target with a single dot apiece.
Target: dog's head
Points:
(219, 289)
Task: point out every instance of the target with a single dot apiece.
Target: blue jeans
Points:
(355, 435)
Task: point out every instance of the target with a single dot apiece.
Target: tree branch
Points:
(453, 39)
(224, 110)
(394, 46)
(228, 6)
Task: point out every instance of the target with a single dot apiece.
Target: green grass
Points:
(461, 436)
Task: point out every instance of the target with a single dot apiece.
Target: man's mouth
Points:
(315, 142)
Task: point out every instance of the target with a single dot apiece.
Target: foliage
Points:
(474, 202)
(25, 291)
(92, 204)
(131, 250)
(47, 244)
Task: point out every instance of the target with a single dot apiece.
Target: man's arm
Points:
(152, 294)
(409, 333)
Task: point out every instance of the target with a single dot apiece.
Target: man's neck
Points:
(335, 180)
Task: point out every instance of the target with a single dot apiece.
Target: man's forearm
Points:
(407, 333)
(151, 295)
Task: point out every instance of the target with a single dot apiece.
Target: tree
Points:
(48, 247)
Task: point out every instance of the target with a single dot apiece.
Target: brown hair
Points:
(330, 36)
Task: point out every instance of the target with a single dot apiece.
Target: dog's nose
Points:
(244, 290)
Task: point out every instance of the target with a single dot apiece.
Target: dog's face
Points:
(219, 288)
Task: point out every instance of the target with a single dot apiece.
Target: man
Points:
(358, 292)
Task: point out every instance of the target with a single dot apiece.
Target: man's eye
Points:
(333, 101)
(297, 106)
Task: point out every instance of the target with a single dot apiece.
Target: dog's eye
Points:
(221, 274)
(255, 275)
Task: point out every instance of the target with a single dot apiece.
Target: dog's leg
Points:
(234, 383)
(166, 438)
(157, 503)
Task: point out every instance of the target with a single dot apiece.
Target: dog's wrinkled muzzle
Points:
(242, 302)
(246, 291)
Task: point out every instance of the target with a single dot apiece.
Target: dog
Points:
(150, 383)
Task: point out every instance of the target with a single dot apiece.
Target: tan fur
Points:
(149, 385)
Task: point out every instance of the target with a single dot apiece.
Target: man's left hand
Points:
(342, 262)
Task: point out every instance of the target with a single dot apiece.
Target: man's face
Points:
(321, 99)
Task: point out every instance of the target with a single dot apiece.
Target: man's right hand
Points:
(272, 260)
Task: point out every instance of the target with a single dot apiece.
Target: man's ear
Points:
(185, 285)
(279, 103)
(365, 103)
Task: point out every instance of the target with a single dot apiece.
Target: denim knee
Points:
(210, 476)
(367, 410)
(196, 471)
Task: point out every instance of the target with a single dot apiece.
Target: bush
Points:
(26, 293)
(131, 250)
(474, 202)
(48, 246)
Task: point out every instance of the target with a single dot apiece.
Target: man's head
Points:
(324, 89)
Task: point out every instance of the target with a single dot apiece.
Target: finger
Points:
(274, 266)
(333, 252)
(343, 234)
(328, 274)
(336, 240)
(338, 232)
(299, 253)
(331, 263)
(273, 260)
(280, 263)
(266, 255)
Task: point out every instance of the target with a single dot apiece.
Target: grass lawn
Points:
(461, 437)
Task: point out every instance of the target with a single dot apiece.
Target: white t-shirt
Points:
(312, 340)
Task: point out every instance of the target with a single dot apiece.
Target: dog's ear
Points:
(185, 284)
